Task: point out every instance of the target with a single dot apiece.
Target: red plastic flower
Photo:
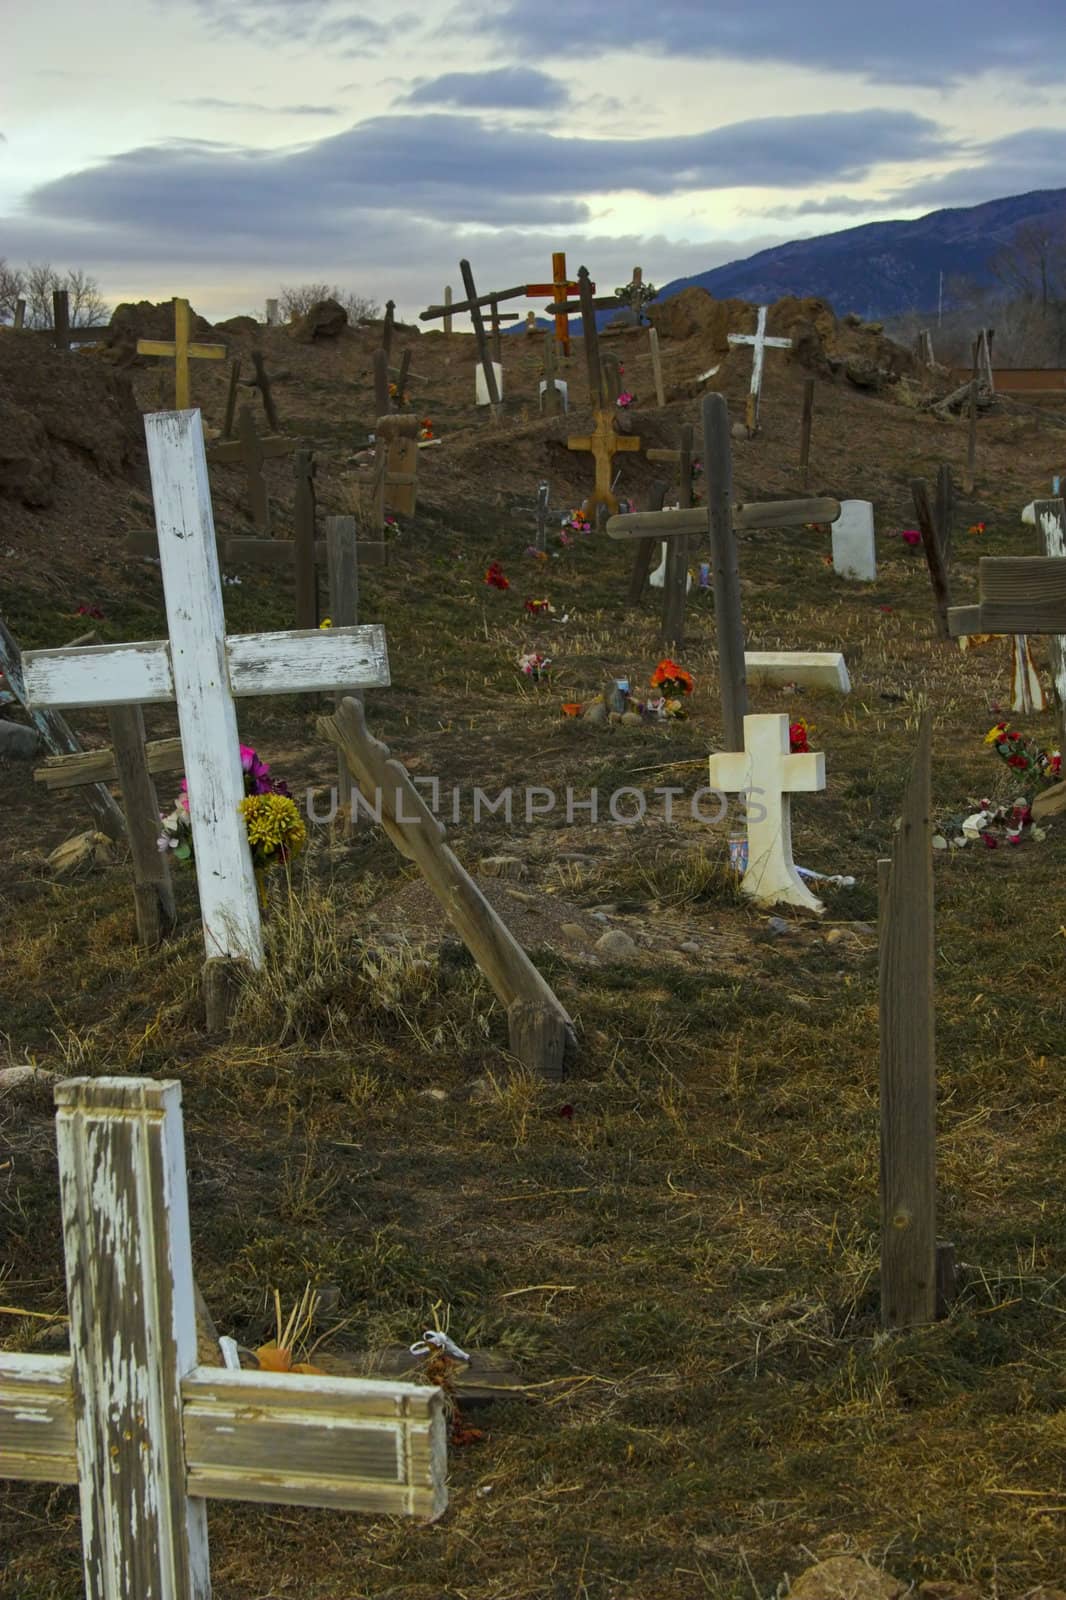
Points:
(799, 737)
(495, 578)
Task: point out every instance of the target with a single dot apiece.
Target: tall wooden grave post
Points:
(806, 428)
(908, 1059)
(182, 350)
(202, 670)
(605, 442)
(146, 1434)
(559, 288)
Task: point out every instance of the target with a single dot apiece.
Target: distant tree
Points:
(12, 290)
(39, 282)
(295, 301)
(1032, 267)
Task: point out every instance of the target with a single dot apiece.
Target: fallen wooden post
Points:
(541, 1031)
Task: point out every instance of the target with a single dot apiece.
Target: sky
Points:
(221, 149)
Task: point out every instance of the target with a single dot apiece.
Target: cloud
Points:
(315, 23)
(1019, 163)
(503, 88)
(449, 168)
(837, 205)
(909, 41)
(209, 103)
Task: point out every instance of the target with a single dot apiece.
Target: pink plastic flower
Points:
(911, 536)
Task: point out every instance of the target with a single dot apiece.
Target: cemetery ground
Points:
(677, 1245)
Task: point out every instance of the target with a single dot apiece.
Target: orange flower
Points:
(572, 708)
(668, 675)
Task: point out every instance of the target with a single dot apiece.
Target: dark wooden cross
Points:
(675, 587)
(262, 382)
(722, 520)
(542, 510)
(387, 327)
(304, 552)
(249, 450)
(588, 305)
(62, 332)
(473, 304)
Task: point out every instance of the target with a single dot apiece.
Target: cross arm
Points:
(560, 308)
(37, 1418)
(431, 313)
(753, 338)
(1018, 594)
(209, 352)
(746, 518)
(731, 771)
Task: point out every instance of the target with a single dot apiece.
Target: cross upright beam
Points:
(761, 344)
(203, 670)
(183, 351)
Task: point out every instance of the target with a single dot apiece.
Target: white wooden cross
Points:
(147, 1434)
(761, 342)
(768, 775)
(203, 669)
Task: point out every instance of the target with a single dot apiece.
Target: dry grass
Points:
(687, 1232)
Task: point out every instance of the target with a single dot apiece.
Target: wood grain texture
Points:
(944, 513)
(229, 900)
(748, 518)
(908, 1058)
(303, 518)
(657, 367)
(347, 1444)
(133, 1334)
(57, 735)
(644, 554)
(473, 305)
(385, 783)
(100, 675)
(806, 429)
(37, 1418)
(231, 397)
(725, 570)
(1022, 594)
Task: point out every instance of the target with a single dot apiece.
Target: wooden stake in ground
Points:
(149, 1436)
(19, 321)
(944, 519)
(933, 555)
(760, 343)
(542, 1033)
(202, 670)
(231, 397)
(657, 367)
(182, 351)
(1051, 531)
(303, 522)
(806, 428)
(57, 735)
(908, 1059)
(153, 893)
(553, 398)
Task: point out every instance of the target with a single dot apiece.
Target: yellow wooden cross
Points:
(182, 351)
(605, 443)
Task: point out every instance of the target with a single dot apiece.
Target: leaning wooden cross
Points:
(147, 1434)
(249, 450)
(182, 351)
(202, 669)
(761, 344)
(675, 551)
(541, 1032)
(723, 520)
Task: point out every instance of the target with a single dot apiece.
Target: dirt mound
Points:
(144, 320)
(858, 351)
(60, 412)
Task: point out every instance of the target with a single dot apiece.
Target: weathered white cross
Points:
(202, 670)
(761, 343)
(768, 775)
(147, 1434)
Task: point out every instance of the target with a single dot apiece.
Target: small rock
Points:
(631, 719)
(690, 947)
(324, 320)
(853, 320)
(480, 1091)
(739, 430)
(433, 1094)
(607, 906)
(617, 944)
(863, 928)
(599, 916)
(873, 327)
(846, 1578)
(17, 742)
(574, 930)
(596, 713)
(834, 936)
(502, 867)
(84, 851)
(779, 925)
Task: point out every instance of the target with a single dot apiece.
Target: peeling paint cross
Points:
(202, 669)
(147, 1434)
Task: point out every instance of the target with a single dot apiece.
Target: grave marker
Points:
(262, 381)
(19, 320)
(250, 450)
(182, 350)
(604, 442)
(272, 313)
(542, 510)
(1050, 516)
(760, 343)
(202, 670)
(148, 1435)
(767, 772)
(854, 546)
(806, 428)
(934, 554)
(657, 367)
